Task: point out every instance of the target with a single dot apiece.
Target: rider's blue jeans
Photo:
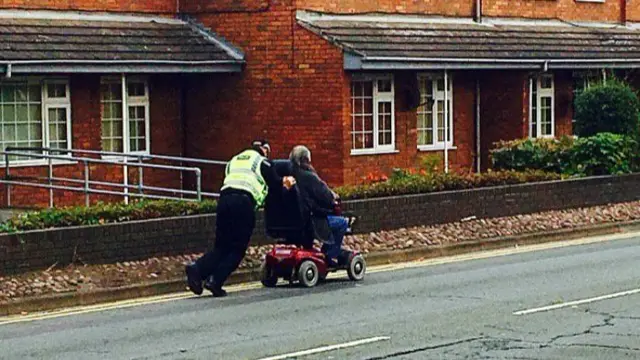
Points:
(338, 226)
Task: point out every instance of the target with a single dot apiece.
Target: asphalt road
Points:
(461, 310)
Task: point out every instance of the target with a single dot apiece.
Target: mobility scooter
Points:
(294, 258)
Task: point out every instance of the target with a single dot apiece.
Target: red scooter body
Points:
(285, 259)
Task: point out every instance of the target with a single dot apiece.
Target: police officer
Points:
(247, 179)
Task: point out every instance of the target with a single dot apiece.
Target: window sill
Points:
(373, 152)
(436, 148)
(38, 163)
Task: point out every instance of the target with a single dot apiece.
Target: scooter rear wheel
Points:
(357, 268)
(268, 276)
(308, 274)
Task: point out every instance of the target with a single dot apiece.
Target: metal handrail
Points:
(119, 154)
(87, 183)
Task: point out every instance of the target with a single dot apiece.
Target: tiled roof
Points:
(56, 38)
(409, 39)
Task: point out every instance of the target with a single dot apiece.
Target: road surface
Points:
(573, 302)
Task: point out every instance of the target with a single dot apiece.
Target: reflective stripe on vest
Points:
(243, 173)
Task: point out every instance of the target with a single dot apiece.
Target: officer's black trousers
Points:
(235, 221)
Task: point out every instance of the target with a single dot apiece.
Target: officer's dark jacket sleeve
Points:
(270, 175)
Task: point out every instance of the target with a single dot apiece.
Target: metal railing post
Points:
(199, 183)
(50, 176)
(7, 174)
(140, 175)
(86, 183)
(126, 181)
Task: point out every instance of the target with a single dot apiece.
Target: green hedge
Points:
(404, 183)
(533, 154)
(104, 213)
(602, 154)
(609, 107)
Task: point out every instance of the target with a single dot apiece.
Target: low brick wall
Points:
(143, 239)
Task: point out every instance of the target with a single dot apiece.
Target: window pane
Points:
(425, 112)
(137, 128)
(8, 113)
(361, 114)
(21, 94)
(35, 113)
(106, 129)
(8, 94)
(56, 91)
(116, 129)
(117, 145)
(440, 119)
(384, 85)
(135, 89)
(58, 128)
(384, 123)
(20, 115)
(546, 82)
(112, 117)
(545, 116)
(35, 93)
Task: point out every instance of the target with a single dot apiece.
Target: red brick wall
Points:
(461, 158)
(439, 7)
(563, 103)
(503, 109)
(202, 6)
(290, 92)
(86, 126)
(563, 9)
(633, 10)
(146, 6)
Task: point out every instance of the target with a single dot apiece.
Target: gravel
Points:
(84, 278)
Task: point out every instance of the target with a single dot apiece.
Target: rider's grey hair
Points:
(300, 155)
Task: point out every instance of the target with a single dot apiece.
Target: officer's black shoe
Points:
(215, 289)
(194, 280)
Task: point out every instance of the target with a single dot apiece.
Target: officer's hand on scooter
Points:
(288, 182)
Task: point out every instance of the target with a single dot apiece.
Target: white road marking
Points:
(78, 310)
(577, 302)
(328, 348)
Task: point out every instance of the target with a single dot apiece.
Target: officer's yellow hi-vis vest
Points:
(243, 173)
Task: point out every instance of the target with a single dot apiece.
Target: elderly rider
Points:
(318, 200)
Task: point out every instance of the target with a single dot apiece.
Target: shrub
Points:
(404, 183)
(104, 213)
(609, 107)
(532, 154)
(603, 154)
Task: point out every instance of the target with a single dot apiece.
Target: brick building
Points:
(363, 83)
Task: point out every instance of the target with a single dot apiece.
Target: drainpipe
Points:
(478, 158)
(7, 74)
(623, 12)
(478, 9)
(446, 121)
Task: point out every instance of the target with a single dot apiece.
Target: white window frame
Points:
(46, 103)
(128, 101)
(540, 93)
(378, 97)
(57, 103)
(438, 96)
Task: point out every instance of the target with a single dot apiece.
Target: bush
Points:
(404, 182)
(610, 107)
(532, 154)
(104, 213)
(604, 154)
